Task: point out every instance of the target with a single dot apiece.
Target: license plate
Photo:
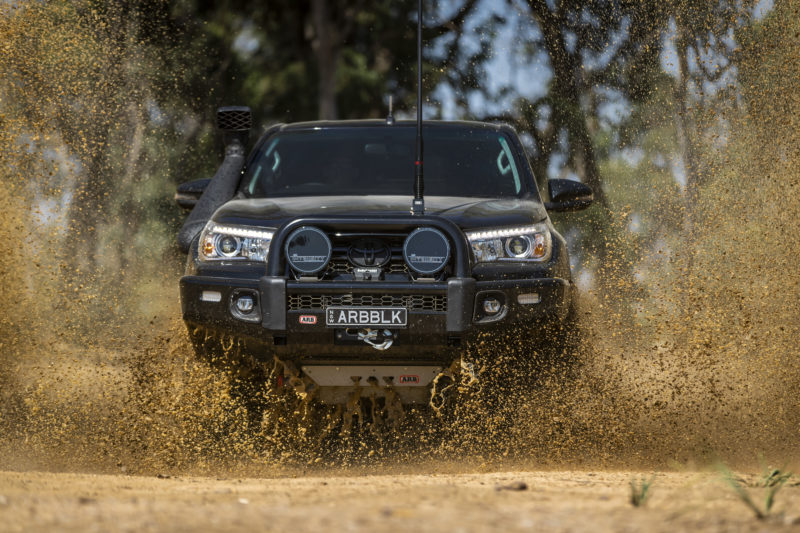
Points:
(379, 317)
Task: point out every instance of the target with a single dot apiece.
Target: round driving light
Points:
(491, 306)
(228, 245)
(426, 251)
(245, 304)
(518, 246)
(308, 250)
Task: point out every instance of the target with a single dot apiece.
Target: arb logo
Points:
(308, 319)
(409, 380)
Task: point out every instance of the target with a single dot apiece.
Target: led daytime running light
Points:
(505, 232)
(241, 232)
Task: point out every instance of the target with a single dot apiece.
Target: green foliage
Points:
(640, 491)
(771, 481)
(774, 477)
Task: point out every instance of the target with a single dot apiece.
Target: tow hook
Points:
(380, 340)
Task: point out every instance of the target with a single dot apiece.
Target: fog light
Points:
(245, 304)
(491, 306)
(529, 298)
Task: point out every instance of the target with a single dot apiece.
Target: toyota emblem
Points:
(369, 253)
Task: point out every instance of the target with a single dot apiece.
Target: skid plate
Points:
(386, 375)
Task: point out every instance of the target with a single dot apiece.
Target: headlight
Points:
(525, 243)
(228, 242)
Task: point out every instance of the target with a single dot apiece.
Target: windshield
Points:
(459, 161)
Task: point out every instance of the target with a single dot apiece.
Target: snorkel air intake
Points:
(234, 122)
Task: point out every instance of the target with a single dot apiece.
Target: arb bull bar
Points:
(277, 286)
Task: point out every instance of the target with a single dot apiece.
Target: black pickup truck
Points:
(305, 254)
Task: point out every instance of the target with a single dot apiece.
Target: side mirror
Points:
(568, 195)
(187, 194)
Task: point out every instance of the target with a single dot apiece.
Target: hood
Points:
(467, 213)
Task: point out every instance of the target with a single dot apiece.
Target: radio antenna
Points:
(390, 118)
(418, 205)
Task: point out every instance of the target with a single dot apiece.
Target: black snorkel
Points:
(235, 123)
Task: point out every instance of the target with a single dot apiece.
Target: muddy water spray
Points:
(700, 363)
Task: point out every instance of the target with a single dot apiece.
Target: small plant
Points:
(775, 477)
(639, 491)
(772, 480)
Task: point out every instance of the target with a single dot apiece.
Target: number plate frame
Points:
(366, 317)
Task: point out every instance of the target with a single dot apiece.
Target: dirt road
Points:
(551, 501)
(411, 491)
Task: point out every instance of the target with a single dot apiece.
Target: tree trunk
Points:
(326, 49)
(131, 181)
(570, 113)
(88, 205)
(683, 123)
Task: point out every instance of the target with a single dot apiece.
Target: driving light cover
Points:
(521, 243)
(426, 251)
(227, 242)
(308, 250)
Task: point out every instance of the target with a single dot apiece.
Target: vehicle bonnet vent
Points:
(234, 118)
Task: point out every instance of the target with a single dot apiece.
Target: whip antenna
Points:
(390, 118)
(418, 205)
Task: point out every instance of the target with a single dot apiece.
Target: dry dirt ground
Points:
(552, 501)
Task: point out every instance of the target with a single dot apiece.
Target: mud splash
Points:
(692, 361)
